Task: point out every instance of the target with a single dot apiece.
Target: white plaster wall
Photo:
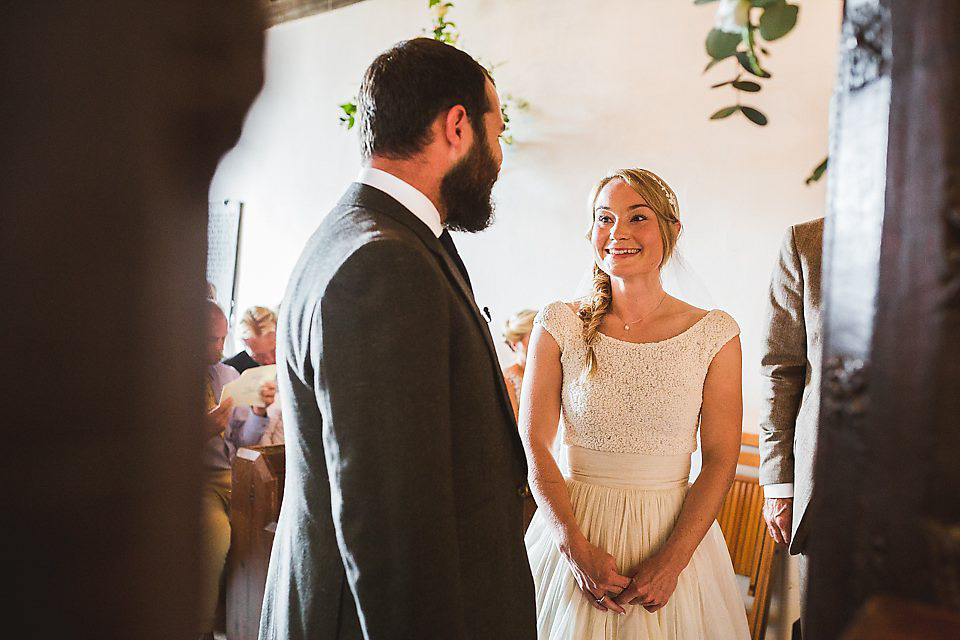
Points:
(611, 83)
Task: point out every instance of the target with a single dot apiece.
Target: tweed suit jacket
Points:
(402, 508)
(790, 366)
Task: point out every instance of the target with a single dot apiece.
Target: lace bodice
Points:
(644, 397)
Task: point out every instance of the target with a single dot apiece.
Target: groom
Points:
(402, 509)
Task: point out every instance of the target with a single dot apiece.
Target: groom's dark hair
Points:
(408, 86)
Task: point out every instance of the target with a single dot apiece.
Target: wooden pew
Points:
(752, 550)
(258, 474)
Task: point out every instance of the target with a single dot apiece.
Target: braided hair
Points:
(663, 201)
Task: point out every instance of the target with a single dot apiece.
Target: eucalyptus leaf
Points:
(746, 85)
(723, 113)
(778, 20)
(710, 65)
(818, 172)
(751, 64)
(766, 3)
(721, 44)
(722, 84)
(754, 116)
(703, 1)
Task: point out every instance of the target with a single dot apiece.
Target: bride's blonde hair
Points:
(663, 201)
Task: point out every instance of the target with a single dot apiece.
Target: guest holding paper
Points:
(258, 330)
(226, 429)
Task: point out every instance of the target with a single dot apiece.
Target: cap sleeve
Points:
(721, 329)
(556, 318)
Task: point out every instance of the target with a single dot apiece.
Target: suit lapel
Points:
(368, 197)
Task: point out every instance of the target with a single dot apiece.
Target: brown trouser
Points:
(214, 543)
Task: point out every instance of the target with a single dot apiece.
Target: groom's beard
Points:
(465, 190)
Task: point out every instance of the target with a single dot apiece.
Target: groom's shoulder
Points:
(350, 226)
(349, 237)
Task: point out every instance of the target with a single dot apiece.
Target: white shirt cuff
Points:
(778, 490)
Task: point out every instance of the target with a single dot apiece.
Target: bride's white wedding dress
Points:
(629, 431)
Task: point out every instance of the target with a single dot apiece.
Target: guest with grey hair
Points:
(258, 330)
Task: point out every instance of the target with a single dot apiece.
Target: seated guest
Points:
(516, 333)
(226, 429)
(258, 329)
(273, 434)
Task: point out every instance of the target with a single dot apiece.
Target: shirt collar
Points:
(404, 193)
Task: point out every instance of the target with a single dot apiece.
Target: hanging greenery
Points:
(445, 31)
(735, 36)
(818, 172)
(508, 104)
(737, 26)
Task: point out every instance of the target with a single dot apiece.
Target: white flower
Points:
(440, 9)
(732, 15)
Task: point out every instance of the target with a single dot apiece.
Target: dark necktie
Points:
(451, 249)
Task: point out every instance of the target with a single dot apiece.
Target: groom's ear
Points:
(455, 127)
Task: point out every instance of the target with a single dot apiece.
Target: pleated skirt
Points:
(627, 504)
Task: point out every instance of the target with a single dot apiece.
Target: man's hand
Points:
(268, 393)
(778, 513)
(216, 419)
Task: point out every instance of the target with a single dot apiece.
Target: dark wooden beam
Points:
(277, 11)
(886, 518)
(113, 118)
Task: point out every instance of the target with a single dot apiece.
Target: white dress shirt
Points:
(778, 490)
(404, 193)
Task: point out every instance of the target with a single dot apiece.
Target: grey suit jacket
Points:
(792, 348)
(402, 507)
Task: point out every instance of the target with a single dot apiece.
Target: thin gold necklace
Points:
(626, 325)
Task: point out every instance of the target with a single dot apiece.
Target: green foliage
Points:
(751, 64)
(726, 111)
(508, 104)
(817, 173)
(778, 20)
(771, 20)
(721, 44)
(348, 117)
(746, 85)
(442, 29)
(749, 59)
(445, 31)
(754, 116)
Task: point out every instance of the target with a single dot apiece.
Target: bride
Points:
(624, 547)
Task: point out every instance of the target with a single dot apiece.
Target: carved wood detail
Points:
(866, 38)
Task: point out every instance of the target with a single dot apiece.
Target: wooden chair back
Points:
(752, 550)
(258, 474)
